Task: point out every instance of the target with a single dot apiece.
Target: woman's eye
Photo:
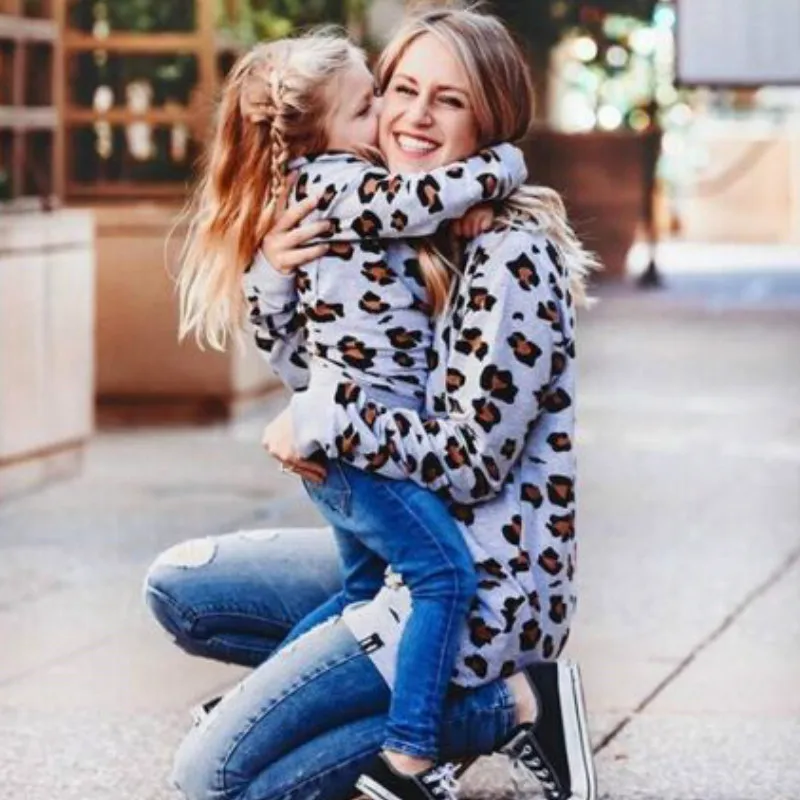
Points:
(404, 90)
(453, 102)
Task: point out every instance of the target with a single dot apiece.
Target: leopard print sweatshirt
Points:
(496, 440)
(356, 314)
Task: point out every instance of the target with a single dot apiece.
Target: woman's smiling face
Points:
(427, 117)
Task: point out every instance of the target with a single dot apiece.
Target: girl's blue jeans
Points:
(377, 521)
(305, 722)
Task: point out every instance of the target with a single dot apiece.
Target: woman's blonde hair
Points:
(501, 90)
(274, 106)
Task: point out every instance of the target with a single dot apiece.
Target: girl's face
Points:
(353, 119)
(427, 117)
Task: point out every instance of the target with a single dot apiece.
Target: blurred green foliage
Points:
(251, 20)
(542, 24)
(139, 16)
(174, 76)
(257, 20)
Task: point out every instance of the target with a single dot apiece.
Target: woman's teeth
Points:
(413, 145)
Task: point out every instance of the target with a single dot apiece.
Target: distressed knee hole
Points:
(194, 553)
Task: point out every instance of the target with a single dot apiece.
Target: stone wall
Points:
(47, 273)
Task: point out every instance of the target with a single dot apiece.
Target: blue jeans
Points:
(306, 721)
(377, 521)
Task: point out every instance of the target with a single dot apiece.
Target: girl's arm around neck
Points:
(369, 202)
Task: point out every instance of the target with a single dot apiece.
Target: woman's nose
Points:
(419, 112)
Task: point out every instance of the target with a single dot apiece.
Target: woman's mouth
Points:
(414, 145)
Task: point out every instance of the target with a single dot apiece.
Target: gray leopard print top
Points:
(496, 439)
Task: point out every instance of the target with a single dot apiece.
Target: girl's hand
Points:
(476, 221)
(278, 441)
(285, 246)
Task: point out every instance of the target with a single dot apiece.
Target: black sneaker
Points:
(555, 749)
(381, 781)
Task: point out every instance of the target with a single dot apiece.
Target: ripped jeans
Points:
(306, 722)
(377, 521)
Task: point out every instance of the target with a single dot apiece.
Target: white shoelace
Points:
(443, 781)
(526, 763)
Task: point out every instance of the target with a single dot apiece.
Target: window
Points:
(29, 131)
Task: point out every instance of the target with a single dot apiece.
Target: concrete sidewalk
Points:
(688, 631)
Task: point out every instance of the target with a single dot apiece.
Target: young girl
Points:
(307, 105)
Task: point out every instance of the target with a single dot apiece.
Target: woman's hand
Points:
(285, 246)
(278, 441)
(476, 221)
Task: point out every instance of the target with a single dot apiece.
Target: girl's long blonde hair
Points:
(274, 108)
(501, 90)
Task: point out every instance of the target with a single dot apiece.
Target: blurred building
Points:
(103, 111)
(729, 165)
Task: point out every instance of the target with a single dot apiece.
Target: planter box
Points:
(749, 190)
(46, 356)
(604, 179)
(143, 373)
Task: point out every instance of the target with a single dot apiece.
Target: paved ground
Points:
(688, 630)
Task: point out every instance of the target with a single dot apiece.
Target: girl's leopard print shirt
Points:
(352, 315)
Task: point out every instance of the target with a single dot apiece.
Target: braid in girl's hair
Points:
(265, 106)
(280, 156)
(273, 109)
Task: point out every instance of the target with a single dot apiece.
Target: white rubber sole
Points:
(373, 790)
(576, 732)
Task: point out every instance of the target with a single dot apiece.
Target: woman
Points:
(309, 721)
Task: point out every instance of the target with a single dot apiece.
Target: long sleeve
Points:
(279, 329)
(368, 202)
(507, 347)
